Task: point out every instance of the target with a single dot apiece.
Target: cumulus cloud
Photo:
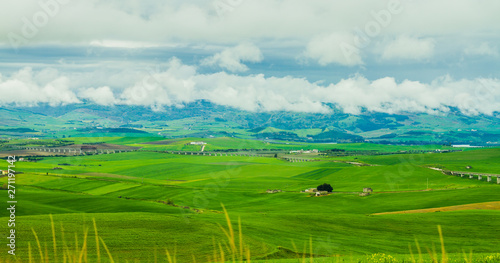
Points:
(178, 84)
(24, 88)
(478, 96)
(101, 95)
(334, 48)
(323, 31)
(157, 88)
(484, 49)
(409, 48)
(258, 93)
(353, 95)
(232, 58)
(181, 83)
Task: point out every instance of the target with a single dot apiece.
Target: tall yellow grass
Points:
(69, 255)
(233, 249)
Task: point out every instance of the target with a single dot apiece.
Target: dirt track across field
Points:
(477, 206)
(101, 146)
(161, 142)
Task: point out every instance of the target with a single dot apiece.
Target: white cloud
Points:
(157, 88)
(23, 89)
(232, 58)
(258, 93)
(324, 29)
(179, 84)
(197, 21)
(409, 48)
(121, 44)
(484, 49)
(334, 48)
(101, 95)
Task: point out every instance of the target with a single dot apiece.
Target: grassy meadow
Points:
(147, 201)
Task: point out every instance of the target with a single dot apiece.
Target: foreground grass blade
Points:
(444, 257)
(169, 258)
(54, 242)
(411, 253)
(240, 234)
(311, 249)
(107, 250)
(97, 241)
(420, 260)
(84, 247)
(38, 244)
(29, 252)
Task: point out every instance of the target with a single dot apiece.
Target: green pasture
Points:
(481, 160)
(144, 202)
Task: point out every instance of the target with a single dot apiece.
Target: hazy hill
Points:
(205, 119)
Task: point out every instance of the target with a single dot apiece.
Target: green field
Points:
(147, 201)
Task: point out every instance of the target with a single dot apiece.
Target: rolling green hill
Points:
(208, 120)
(142, 201)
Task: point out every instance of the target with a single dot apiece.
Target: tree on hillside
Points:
(325, 187)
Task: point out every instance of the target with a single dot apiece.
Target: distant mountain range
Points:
(205, 119)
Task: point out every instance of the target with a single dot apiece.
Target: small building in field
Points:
(197, 143)
(269, 191)
(468, 167)
(364, 194)
(21, 159)
(367, 190)
(6, 172)
(311, 190)
(320, 193)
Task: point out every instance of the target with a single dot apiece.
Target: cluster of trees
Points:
(325, 187)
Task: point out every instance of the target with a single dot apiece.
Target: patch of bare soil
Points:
(160, 142)
(477, 206)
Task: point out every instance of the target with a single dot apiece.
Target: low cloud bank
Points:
(178, 84)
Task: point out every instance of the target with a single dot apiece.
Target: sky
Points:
(391, 56)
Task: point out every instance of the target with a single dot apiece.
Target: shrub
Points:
(325, 187)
